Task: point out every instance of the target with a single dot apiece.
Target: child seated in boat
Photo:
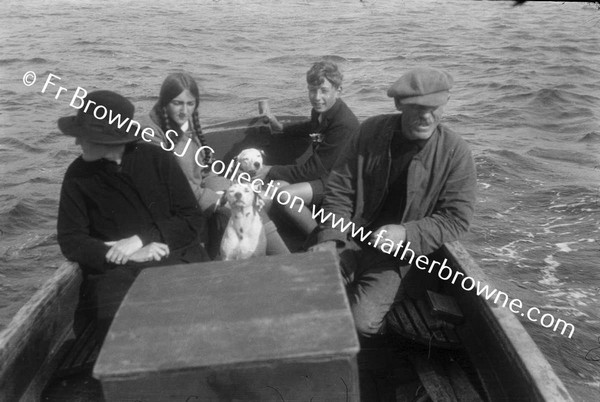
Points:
(332, 124)
(124, 206)
(176, 125)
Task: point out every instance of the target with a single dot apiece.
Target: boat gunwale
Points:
(22, 347)
(509, 332)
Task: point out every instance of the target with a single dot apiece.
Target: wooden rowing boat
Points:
(493, 358)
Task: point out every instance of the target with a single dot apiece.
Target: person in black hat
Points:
(408, 182)
(124, 206)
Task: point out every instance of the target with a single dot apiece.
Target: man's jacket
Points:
(440, 185)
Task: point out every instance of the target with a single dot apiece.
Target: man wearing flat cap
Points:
(124, 206)
(409, 180)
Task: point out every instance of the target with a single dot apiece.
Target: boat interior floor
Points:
(80, 387)
(390, 369)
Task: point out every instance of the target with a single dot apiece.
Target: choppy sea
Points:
(526, 98)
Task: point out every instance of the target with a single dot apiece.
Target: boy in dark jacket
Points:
(332, 124)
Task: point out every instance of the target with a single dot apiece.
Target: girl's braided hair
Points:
(171, 87)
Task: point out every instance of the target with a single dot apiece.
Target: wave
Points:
(509, 87)
(35, 60)
(592, 137)
(86, 42)
(18, 217)
(369, 90)
(569, 69)
(334, 58)
(516, 160)
(566, 49)
(563, 155)
(41, 180)
(212, 66)
(64, 154)
(394, 58)
(20, 145)
(107, 52)
(6, 92)
(457, 118)
(514, 48)
(549, 96)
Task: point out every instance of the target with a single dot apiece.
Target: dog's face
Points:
(250, 160)
(241, 196)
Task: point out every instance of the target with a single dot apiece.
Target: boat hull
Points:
(508, 364)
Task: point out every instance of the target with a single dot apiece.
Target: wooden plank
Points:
(81, 354)
(76, 349)
(433, 378)
(29, 344)
(415, 317)
(433, 324)
(445, 335)
(511, 364)
(428, 330)
(463, 389)
(405, 326)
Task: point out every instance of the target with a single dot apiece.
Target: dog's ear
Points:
(259, 203)
(262, 153)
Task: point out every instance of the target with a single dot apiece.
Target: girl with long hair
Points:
(176, 122)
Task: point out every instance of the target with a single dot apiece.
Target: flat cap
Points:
(422, 86)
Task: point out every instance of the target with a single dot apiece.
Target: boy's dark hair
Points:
(324, 70)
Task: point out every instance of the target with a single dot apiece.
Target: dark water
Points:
(526, 98)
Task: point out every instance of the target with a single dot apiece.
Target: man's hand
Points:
(153, 251)
(121, 250)
(262, 172)
(329, 245)
(395, 233)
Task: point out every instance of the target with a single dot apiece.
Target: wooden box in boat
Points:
(271, 328)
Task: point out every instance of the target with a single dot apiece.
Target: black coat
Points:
(338, 125)
(147, 195)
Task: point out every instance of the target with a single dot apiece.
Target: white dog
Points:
(244, 235)
(250, 160)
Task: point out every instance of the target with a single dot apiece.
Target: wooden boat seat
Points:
(80, 354)
(431, 320)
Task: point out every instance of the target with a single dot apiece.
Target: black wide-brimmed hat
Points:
(103, 119)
